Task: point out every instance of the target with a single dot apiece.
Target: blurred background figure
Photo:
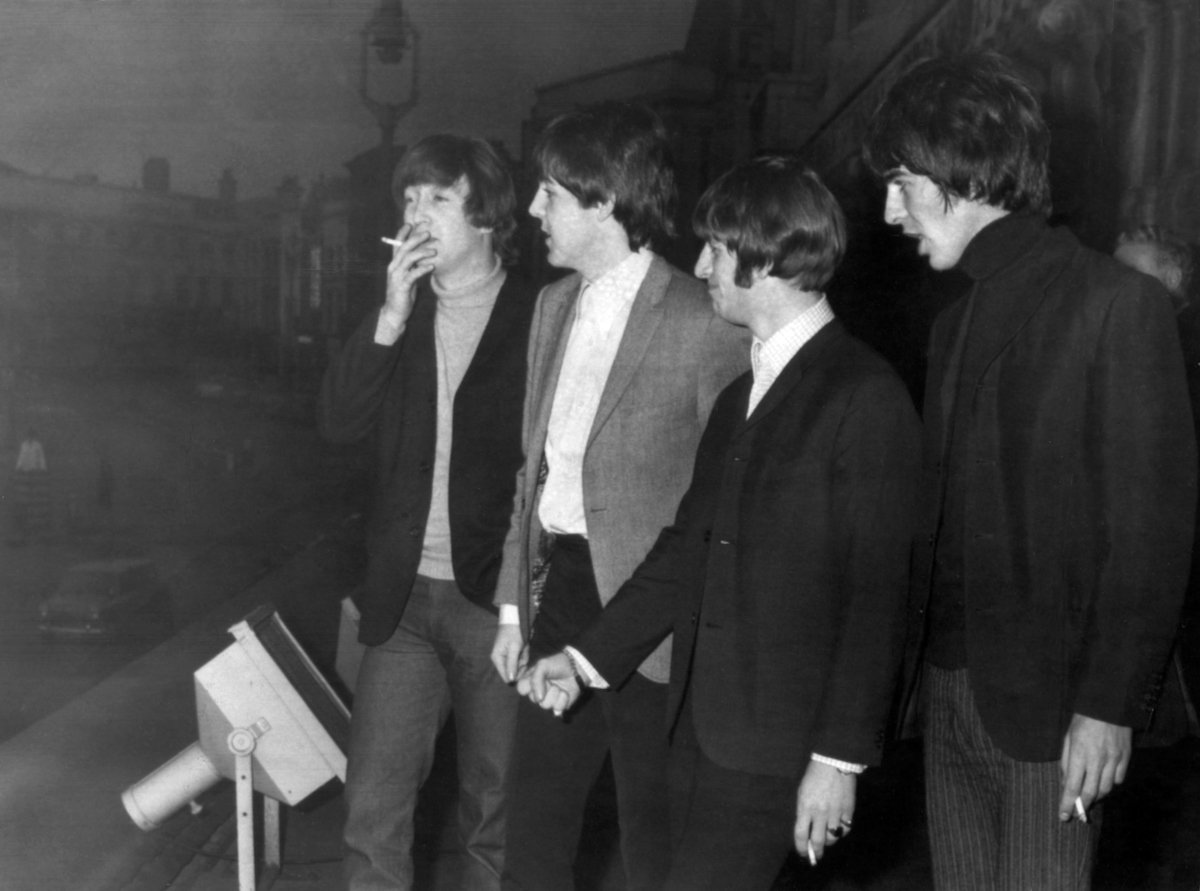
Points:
(31, 492)
(1157, 253)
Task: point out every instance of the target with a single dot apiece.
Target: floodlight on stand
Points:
(267, 720)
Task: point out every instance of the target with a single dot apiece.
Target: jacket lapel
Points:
(941, 390)
(999, 324)
(561, 299)
(644, 318)
(793, 372)
(505, 314)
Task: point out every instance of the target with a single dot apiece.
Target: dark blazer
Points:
(1079, 475)
(391, 392)
(784, 575)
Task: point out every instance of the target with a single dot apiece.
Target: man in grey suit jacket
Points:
(626, 359)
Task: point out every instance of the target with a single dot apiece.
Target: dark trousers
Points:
(730, 830)
(438, 659)
(993, 820)
(557, 760)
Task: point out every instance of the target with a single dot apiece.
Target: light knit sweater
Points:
(461, 316)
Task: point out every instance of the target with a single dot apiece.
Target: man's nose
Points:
(536, 205)
(893, 207)
(703, 263)
(417, 211)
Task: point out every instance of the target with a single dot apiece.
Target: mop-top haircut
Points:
(442, 160)
(972, 125)
(775, 214)
(619, 151)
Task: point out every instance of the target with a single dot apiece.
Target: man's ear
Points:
(604, 210)
(1172, 278)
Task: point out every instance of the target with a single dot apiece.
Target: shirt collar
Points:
(769, 357)
(625, 278)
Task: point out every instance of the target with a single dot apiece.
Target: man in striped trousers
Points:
(1059, 487)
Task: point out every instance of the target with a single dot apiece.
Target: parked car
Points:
(108, 597)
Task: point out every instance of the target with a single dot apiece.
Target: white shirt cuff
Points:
(585, 669)
(843, 766)
(509, 614)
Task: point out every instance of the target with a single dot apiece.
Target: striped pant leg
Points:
(1037, 850)
(993, 820)
(962, 787)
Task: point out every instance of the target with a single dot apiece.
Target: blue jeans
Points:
(438, 659)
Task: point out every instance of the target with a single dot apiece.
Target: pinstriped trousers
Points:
(993, 820)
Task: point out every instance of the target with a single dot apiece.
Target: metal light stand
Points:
(242, 742)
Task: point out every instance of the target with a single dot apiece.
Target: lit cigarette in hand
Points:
(392, 241)
(1079, 810)
(812, 855)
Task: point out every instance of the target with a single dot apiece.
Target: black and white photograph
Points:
(563, 445)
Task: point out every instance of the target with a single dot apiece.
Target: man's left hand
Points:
(1095, 756)
(824, 808)
(550, 683)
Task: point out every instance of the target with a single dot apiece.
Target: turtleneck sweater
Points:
(994, 252)
(461, 315)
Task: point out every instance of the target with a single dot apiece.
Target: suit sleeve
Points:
(1145, 465)
(645, 608)
(876, 470)
(354, 385)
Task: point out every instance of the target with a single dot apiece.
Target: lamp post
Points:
(389, 45)
(388, 66)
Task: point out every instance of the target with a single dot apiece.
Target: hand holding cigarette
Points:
(413, 256)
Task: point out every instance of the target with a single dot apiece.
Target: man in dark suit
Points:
(437, 376)
(1059, 488)
(784, 574)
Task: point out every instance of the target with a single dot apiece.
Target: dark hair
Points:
(442, 160)
(614, 150)
(970, 124)
(775, 214)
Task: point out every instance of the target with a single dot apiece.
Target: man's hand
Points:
(508, 652)
(550, 683)
(1095, 756)
(412, 257)
(824, 809)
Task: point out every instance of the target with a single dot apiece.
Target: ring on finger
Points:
(836, 832)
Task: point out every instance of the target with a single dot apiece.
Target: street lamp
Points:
(394, 42)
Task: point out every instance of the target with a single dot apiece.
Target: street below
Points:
(217, 489)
